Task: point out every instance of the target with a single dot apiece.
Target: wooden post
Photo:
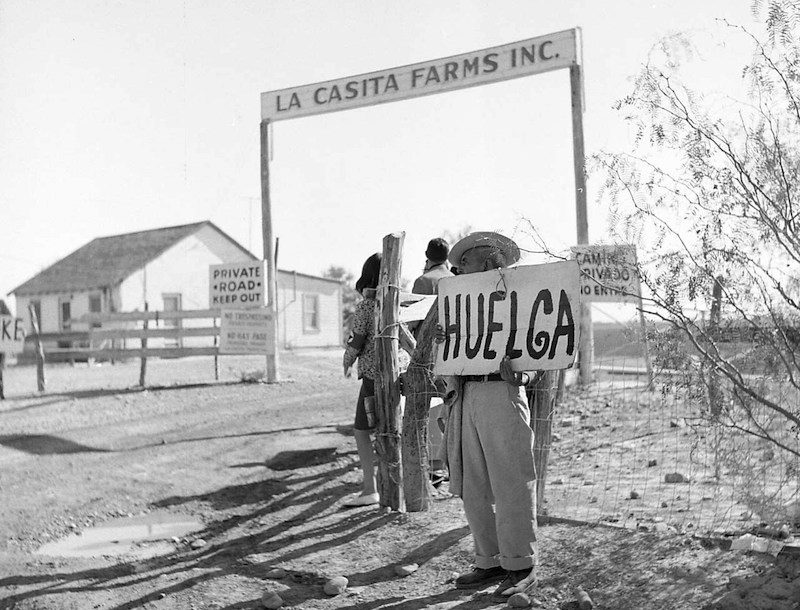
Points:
(647, 362)
(562, 383)
(143, 367)
(542, 401)
(714, 318)
(586, 350)
(419, 389)
(40, 383)
(269, 254)
(2, 368)
(387, 388)
(216, 354)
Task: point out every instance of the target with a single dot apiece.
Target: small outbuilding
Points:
(168, 269)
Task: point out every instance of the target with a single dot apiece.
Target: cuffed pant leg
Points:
(507, 442)
(476, 490)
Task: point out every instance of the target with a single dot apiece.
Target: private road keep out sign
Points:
(237, 285)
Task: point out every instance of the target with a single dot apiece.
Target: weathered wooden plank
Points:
(134, 316)
(387, 388)
(74, 336)
(419, 389)
(63, 355)
(40, 383)
(143, 353)
(542, 402)
(100, 334)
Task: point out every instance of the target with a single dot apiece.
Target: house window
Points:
(172, 302)
(310, 313)
(64, 315)
(37, 309)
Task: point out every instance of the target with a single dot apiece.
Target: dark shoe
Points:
(479, 577)
(513, 579)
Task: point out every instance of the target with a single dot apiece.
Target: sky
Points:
(120, 116)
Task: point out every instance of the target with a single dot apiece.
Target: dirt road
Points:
(262, 470)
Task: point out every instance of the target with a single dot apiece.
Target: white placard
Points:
(416, 307)
(529, 313)
(504, 62)
(246, 331)
(12, 335)
(609, 273)
(237, 285)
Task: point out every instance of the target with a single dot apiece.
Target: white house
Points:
(167, 269)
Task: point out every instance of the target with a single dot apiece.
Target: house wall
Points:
(50, 306)
(183, 269)
(292, 333)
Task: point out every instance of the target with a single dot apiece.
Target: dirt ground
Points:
(263, 468)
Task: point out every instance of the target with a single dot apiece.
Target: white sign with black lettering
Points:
(530, 314)
(246, 331)
(513, 60)
(12, 335)
(237, 285)
(608, 273)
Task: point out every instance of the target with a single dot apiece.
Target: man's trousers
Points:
(499, 489)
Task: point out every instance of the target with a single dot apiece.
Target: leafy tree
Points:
(710, 195)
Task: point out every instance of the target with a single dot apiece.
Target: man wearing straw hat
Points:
(489, 448)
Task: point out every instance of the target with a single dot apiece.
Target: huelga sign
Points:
(530, 314)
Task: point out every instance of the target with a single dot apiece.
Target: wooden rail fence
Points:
(111, 343)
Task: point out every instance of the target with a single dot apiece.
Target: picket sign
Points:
(415, 307)
(530, 313)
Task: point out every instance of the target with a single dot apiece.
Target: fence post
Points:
(387, 395)
(714, 393)
(143, 367)
(648, 363)
(40, 382)
(216, 354)
(419, 389)
(542, 401)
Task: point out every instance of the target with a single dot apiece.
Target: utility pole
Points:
(273, 375)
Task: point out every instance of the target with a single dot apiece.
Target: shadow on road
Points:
(264, 512)
(326, 429)
(45, 444)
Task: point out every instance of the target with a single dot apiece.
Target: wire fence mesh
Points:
(660, 457)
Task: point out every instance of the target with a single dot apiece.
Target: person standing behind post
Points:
(361, 347)
(489, 448)
(435, 269)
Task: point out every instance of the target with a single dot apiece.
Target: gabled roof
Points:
(106, 261)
